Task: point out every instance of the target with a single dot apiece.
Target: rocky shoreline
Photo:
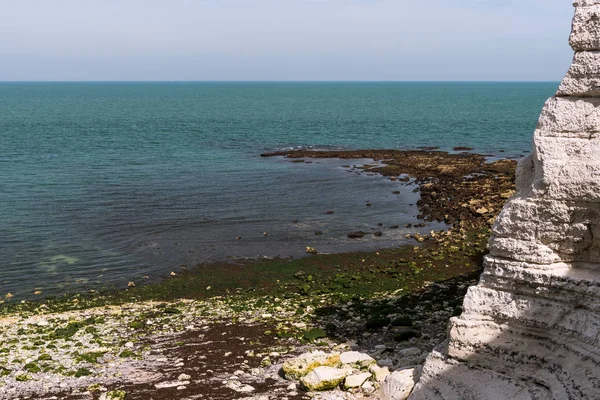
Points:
(208, 335)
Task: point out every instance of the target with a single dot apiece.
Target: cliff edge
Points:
(531, 328)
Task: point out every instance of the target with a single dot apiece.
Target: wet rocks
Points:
(356, 235)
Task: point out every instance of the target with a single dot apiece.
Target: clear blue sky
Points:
(284, 39)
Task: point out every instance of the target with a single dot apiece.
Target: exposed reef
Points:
(531, 328)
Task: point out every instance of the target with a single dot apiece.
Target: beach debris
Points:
(238, 238)
(131, 284)
(173, 273)
(9, 295)
(265, 233)
(37, 292)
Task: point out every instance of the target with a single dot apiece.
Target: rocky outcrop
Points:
(531, 328)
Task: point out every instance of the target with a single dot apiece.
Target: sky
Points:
(284, 40)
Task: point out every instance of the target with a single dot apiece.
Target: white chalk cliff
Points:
(531, 328)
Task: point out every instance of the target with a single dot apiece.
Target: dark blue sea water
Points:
(102, 183)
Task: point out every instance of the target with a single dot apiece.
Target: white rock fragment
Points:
(239, 387)
(356, 359)
(379, 373)
(323, 378)
(398, 385)
(170, 384)
(356, 380)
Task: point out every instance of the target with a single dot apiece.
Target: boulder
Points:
(323, 378)
(298, 367)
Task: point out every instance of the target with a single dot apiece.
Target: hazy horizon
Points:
(302, 40)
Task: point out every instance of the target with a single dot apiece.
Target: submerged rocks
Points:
(355, 235)
(531, 328)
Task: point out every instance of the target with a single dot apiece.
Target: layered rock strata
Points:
(531, 328)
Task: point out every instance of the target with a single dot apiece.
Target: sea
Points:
(106, 183)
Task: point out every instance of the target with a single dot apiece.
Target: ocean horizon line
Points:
(276, 81)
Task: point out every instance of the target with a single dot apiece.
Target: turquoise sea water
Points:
(102, 183)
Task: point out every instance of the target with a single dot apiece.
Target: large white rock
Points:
(531, 328)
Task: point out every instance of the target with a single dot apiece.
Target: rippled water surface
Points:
(101, 183)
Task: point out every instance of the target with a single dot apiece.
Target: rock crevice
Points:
(531, 328)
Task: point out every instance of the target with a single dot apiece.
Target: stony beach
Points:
(225, 331)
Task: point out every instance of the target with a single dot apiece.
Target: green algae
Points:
(82, 372)
(313, 334)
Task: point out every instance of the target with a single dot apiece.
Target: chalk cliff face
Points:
(531, 328)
